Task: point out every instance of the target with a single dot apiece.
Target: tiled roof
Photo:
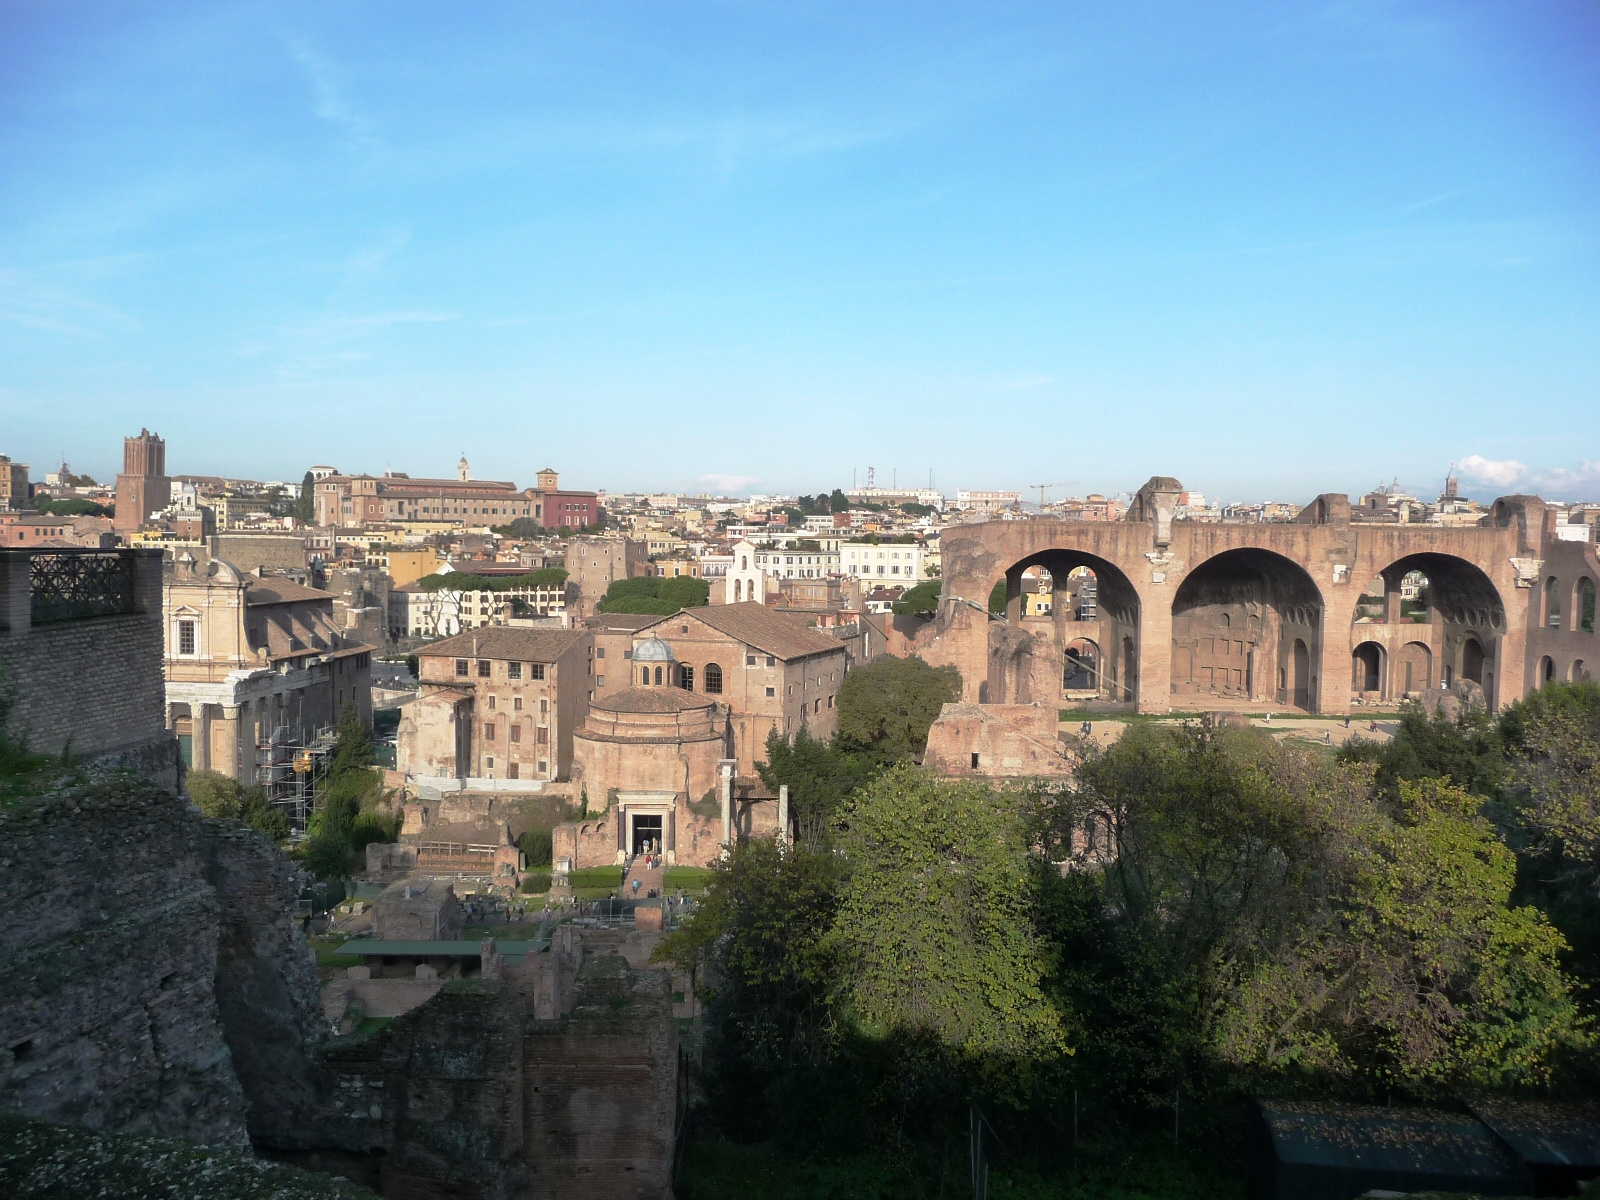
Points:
(651, 700)
(503, 641)
(273, 589)
(758, 626)
(625, 622)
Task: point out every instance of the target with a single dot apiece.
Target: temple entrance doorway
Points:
(646, 832)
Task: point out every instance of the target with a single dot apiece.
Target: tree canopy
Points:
(655, 595)
(886, 709)
(922, 599)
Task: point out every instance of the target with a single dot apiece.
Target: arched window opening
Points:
(1547, 671)
(1366, 668)
(1583, 605)
(1472, 660)
(1415, 597)
(713, 679)
(737, 585)
(1300, 679)
(1579, 672)
(644, 676)
(1552, 603)
(1081, 668)
(658, 676)
(686, 678)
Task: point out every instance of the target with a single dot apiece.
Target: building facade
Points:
(255, 668)
(498, 704)
(14, 490)
(892, 562)
(772, 672)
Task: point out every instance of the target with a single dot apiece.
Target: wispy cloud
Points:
(1577, 483)
(728, 483)
(380, 320)
(331, 105)
(48, 309)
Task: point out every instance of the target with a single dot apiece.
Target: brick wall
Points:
(93, 686)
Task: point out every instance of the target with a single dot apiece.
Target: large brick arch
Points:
(1156, 553)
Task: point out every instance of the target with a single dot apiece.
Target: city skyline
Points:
(1274, 251)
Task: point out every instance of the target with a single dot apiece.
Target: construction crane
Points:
(1043, 486)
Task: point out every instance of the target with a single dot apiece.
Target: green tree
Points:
(935, 925)
(820, 777)
(217, 795)
(537, 845)
(1427, 975)
(71, 506)
(758, 948)
(924, 598)
(837, 501)
(352, 749)
(1554, 774)
(885, 709)
(653, 595)
(305, 508)
(997, 597)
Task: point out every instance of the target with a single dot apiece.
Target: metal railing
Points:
(70, 585)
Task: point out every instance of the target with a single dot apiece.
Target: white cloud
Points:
(1562, 483)
(728, 483)
(1478, 469)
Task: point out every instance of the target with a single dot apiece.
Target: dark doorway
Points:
(646, 832)
(1472, 661)
(1302, 676)
(1367, 667)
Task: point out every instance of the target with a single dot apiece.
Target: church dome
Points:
(652, 650)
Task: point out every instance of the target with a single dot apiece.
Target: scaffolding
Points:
(289, 768)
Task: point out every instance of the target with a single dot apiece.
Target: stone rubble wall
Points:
(109, 952)
(157, 980)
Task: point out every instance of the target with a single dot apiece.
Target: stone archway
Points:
(1366, 670)
(1029, 656)
(1237, 619)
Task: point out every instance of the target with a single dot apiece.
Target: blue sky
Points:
(1271, 249)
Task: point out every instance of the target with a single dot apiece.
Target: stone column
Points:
(725, 766)
(200, 736)
(783, 816)
(230, 742)
(1335, 669)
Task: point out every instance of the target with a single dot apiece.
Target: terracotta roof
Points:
(650, 700)
(273, 589)
(504, 641)
(758, 626)
(624, 622)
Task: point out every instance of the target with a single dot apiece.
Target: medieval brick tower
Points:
(143, 486)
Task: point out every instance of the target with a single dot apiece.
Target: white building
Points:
(802, 558)
(745, 579)
(891, 562)
(416, 611)
(989, 502)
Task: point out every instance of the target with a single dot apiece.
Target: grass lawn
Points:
(690, 879)
(326, 958)
(596, 877)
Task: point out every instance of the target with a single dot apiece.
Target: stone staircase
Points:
(648, 880)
